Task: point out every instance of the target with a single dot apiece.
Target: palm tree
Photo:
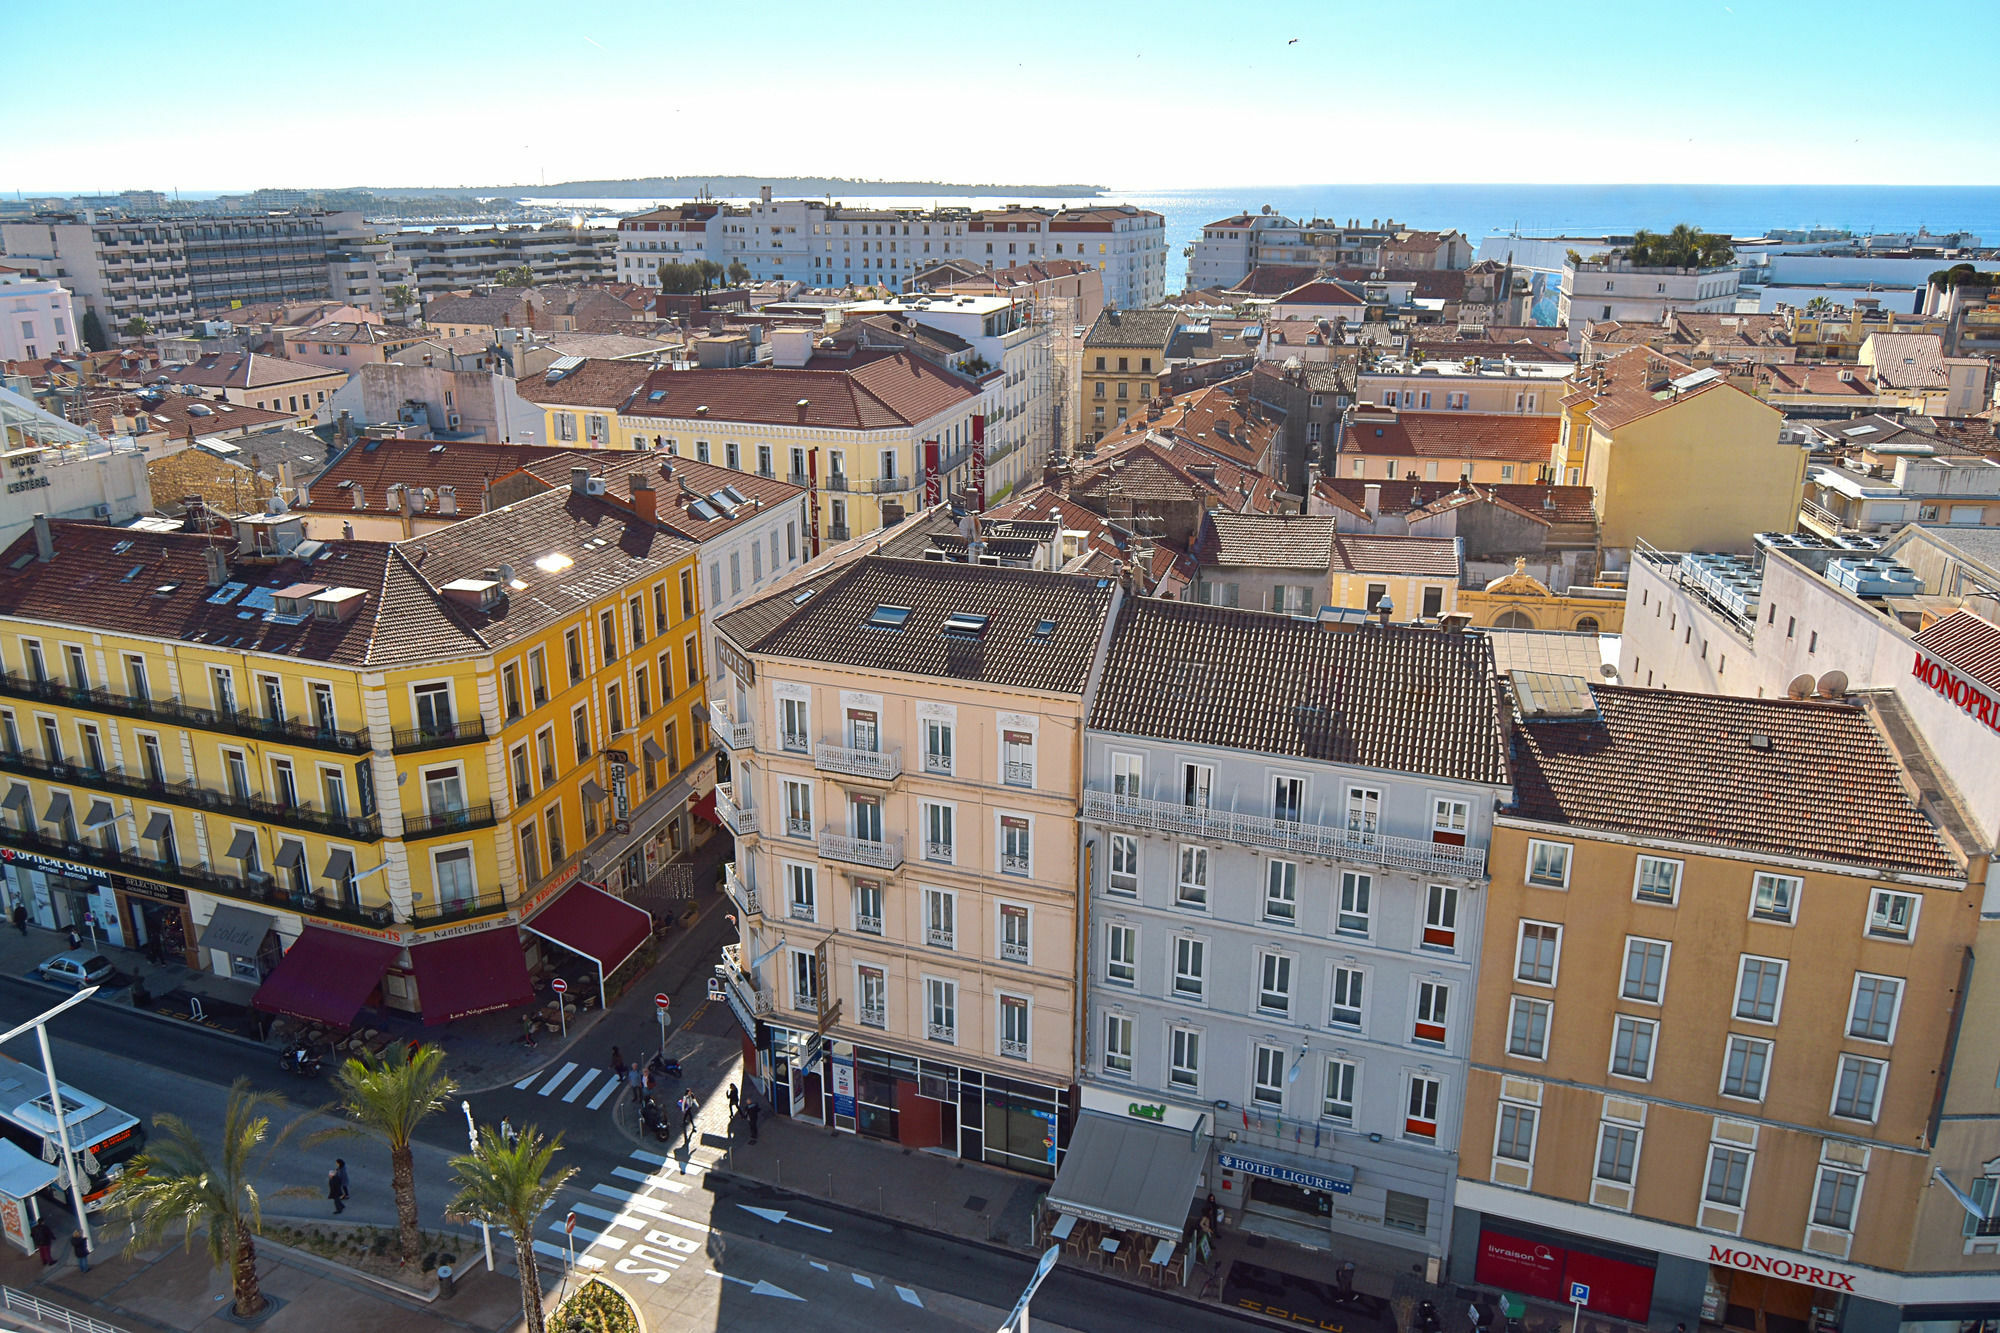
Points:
(392, 1094)
(508, 1185)
(175, 1180)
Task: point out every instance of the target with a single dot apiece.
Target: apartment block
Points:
(1609, 286)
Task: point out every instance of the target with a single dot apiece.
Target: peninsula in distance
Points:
(734, 187)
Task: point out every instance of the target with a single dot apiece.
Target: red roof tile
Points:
(1501, 436)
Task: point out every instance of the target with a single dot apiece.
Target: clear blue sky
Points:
(221, 94)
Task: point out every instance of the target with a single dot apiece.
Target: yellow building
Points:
(231, 749)
(1124, 354)
(1521, 601)
(1715, 1025)
(1487, 448)
(271, 383)
(1837, 333)
(1676, 458)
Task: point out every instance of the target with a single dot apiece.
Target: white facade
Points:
(1129, 246)
(747, 560)
(36, 318)
(98, 483)
(1612, 288)
(1227, 250)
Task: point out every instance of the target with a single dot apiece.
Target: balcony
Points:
(1013, 951)
(293, 814)
(1283, 835)
(801, 911)
(837, 532)
(797, 826)
(889, 485)
(866, 924)
(940, 764)
(430, 823)
(460, 909)
(940, 937)
(886, 854)
(231, 721)
(742, 894)
(795, 742)
(733, 816)
(743, 985)
(732, 734)
(435, 738)
(944, 852)
(1017, 1050)
(882, 765)
(875, 1017)
(1019, 774)
(941, 1032)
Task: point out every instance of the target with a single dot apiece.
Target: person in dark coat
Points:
(81, 1249)
(735, 1103)
(336, 1185)
(750, 1110)
(44, 1237)
(21, 918)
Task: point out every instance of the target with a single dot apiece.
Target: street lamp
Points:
(40, 1024)
(472, 1139)
(1017, 1318)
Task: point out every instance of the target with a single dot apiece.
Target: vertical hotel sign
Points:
(932, 482)
(979, 463)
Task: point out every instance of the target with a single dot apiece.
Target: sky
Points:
(207, 95)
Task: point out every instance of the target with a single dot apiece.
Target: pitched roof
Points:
(1684, 766)
(494, 309)
(1223, 419)
(1909, 360)
(1550, 504)
(681, 484)
(594, 383)
(1105, 543)
(1506, 437)
(1400, 698)
(1966, 643)
(1272, 541)
(1426, 557)
(230, 487)
(246, 370)
(877, 393)
(376, 465)
(1631, 385)
(1819, 378)
(833, 625)
(1322, 292)
(1170, 469)
(358, 334)
(178, 416)
(1152, 329)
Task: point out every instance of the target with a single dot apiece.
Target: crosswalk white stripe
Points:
(634, 1202)
(608, 1217)
(556, 1079)
(603, 1094)
(576, 1088)
(649, 1182)
(674, 1162)
(560, 1254)
(526, 1081)
(585, 1239)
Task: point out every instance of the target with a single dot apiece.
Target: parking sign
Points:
(1579, 1293)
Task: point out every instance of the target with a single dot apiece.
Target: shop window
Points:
(1406, 1212)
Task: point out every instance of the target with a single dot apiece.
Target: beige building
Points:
(268, 382)
(904, 740)
(1723, 1069)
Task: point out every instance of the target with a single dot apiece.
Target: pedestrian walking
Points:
(44, 1237)
(617, 1064)
(21, 918)
(688, 1107)
(75, 940)
(336, 1185)
(750, 1110)
(81, 1248)
(507, 1134)
(735, 1103)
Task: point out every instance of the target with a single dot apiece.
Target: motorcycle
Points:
(654, 1122)
(661, 1067)
(300, 1061)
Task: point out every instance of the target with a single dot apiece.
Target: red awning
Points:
(602, 927)
(704, 808)
(472, 974)
(326, 976)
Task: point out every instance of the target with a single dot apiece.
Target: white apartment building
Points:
(36, 318)
(1610, 286)
(680, 235)
(1227, 250)
(1128, 244)
(450, 259)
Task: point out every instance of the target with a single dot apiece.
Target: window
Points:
(1420, 1109)
(614, 710)
(1433, 998)
(1516, 1137)
(1528, 1028)
(940, 834)
(1728, 1176)
(1834, 1198)
(797, 798)
(1857, 1094)
(1349, 992)
(538, 677)
(1745, 1064)
(1760, 987)
(1632, 1046)
(805, 987)
(1617, 1153)
(1018, 765)
(573, 653)
(1197, 782)
(579, 725)
(1118, 1045)
(1267, 1087)
(1774, 898)
(1016, 851)
(1123, 870)
(941, 1005)
(1190, 961)
(510, 690)
(1281, 892)
(793, 728)
(1126, 774)
(1548, 864)
(1355, 891)
(868, 906)
(1013, 933)
(1274, 987)
(1657, 880)
(642, 692)
(1184, 1059)
(801, 894)
(1288, 797)
(937, 746)
(873, 986)
(1645, 970)
(1871, 1016)
(1014, 1027)
(940, 918)
(1441, 918)
(1892, 915)
(1536, 958)
(1192, 890)
(1121, 955)
(1449, 817)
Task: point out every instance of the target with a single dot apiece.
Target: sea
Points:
(1527, 210)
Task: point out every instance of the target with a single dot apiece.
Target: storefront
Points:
(62, 894)
(1292, 1197)
(244, 942)
(1542, 1265)
(920, 1102)
(155, 919)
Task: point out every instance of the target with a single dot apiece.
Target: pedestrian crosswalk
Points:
(631, 1211)
(572, 1090)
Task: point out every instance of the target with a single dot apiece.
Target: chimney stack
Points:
(45, 542)
(579, 480)
(216, 565)
(1371, 500)
(645, 500)
(1384, 608)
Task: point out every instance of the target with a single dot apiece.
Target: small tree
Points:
(738, 271)
(137, 327)
(175, 1180)
(680, 278)
(93, 332)
(508, 1185)
(400, 297)
(711, 273)
(516, 277)
(392, 1094)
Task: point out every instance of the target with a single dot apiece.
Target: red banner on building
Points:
(1544, 1272)
(979, 463)
(933, 484)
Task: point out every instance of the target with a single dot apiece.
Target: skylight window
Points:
(804, 597)
(1044, 629)
(886, 616)
(965, 625)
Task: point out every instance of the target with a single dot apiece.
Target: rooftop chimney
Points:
(645, 500)
(1384, 608)
(45, 542)
(1371, 500)
(579, 480)
(447, 499)
(216, 565)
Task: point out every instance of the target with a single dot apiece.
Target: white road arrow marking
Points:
(780, 1215)
(758, 1288)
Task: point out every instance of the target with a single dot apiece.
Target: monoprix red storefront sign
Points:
(1544, 1272)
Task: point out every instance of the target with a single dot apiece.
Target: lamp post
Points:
(40, 1024)
(1017, 1318)
(472, 1139)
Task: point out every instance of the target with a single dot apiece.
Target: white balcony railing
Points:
(1306, 839)
(795, 742)
(798, 827)
(802, 911)
(881, 764)
(730, 733)
(876, 1017)
(940, 851)
(1014, 951)
(1017, 1050)
(939, 937)
(867, 925)
(733, 816)
(886, 854)
(745, 897)
(941, 1032)
(939, 764)
(1019, 774)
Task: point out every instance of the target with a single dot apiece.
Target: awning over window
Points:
(472, 974)
(1129, 1174)
(339, 865)
(243, 845)
(236, 931)
(59, 808)
(699, 712)
(592, 791)
(653, 750)
(291, 852)
(100, 814)
(602, 927)
(704, 808)
(326, 976)
(17, 799)
(160, 825)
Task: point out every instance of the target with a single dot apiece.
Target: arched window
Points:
(1513, 620)
(1586, 625)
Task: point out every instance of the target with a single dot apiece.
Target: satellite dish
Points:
(1801, 687)
(1833, 685)
(1609, 670)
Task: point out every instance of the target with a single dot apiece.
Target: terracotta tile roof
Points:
(1106, 543)
(496, 310)
(1633, 384)
(1152, 329)
(595, 383)
(1428, 557)
(882, 392)
(1438, 341)
(1397, 697)
(1819, 378)
(1505, 437)
(1683, 766)
(246, 370)
(177, 416)
(1229, 424)
(367, 335)
(1549, 504)
(1140, 465)
(678, 483)
(1272, 541)
(376, 465)
(1909, 360)
(1274, 279)
(1966, 643)
(105, 578)
(1322, 292)
(833, 625)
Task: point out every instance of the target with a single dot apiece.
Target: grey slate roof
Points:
(1397, 697)
(1134, 328)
